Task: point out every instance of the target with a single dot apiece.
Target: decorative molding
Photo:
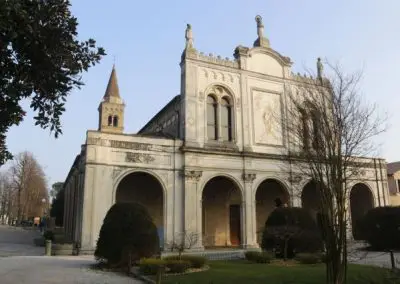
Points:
(116, 172)
(192, 175)
(139, 158)
(249, 177)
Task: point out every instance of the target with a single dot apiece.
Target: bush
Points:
(308, 258)
(258, 257)
(195, 261)
(178, 266)
(382, 228)
(48, 235)
(292, 227)
(150, 266)
(127, 235)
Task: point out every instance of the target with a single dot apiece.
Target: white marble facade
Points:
(174, 154)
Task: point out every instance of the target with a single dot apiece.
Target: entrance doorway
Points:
(234, 224)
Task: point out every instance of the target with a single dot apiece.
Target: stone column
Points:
(249, 236)
(193, 207)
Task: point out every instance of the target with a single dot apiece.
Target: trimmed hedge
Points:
(297, 227)
(178, 266)
(258, 257)
(127, 235)
(381, 226)
(195, 261)
(150, 266)
(308, 258)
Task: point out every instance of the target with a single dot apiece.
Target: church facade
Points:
(210, 162)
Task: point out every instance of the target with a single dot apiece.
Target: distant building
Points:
(393, 172)
(212, 161)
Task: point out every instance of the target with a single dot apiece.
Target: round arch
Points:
(221, 198)
(122, 175)
(234, 180)
(268, 193)
(145, 188)
(311, 198)
(361, 201)
(211, 89)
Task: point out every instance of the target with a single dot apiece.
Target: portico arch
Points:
(146, 189)
(221, 213)
(311, 199)
(361, 201)
(267, 194)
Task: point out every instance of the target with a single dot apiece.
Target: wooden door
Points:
(234, 222)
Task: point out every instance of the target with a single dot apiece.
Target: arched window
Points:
(212, 132)
(115, 121)
(305, 135)
(110, 120)
(226, 120)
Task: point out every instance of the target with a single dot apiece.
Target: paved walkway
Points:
(53, 270)
(22, 262)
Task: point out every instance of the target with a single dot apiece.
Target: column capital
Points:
(249, 177)
(192, 175)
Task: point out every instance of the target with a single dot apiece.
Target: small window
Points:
(226, 120)
(212, 132)
(110, 120)
(115, 121)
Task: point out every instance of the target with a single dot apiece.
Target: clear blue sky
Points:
(147, 38)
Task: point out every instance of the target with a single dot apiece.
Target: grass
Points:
(245, 272)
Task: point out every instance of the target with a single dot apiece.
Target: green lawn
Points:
(233, 272)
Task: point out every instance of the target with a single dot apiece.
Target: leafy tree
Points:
(381, 226)
(127, 235)
(55, 189)
(291, 230)
(41, 59)
(57, 206)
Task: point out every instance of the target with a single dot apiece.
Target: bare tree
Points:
(183, 241)
(29, 184)
(330, 131)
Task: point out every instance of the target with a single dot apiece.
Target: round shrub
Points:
(196, 261)
(177, 266)
(308, 258)
(292, 229)
(381, 226)
(258, 257)
(127, 235)
(150, 266)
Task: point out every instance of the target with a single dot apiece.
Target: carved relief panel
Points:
(267, 118)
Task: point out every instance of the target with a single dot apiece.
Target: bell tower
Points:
(111, 108)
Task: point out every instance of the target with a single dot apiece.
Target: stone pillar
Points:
(193, 206)
(249, 239)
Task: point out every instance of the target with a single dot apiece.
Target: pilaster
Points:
(193, 205)
(249, 236)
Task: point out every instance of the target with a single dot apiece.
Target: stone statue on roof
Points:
(260, 26)
(189, 36)
(320, 68)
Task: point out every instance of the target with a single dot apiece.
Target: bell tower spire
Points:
(111, 108)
